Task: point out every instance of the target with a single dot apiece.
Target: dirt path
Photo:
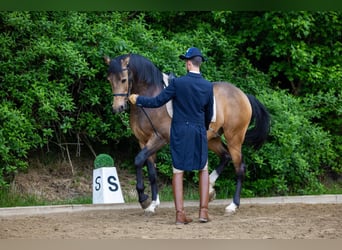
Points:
(252, 221)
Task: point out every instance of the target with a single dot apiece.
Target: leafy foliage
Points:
(17, 137)
(54, 90)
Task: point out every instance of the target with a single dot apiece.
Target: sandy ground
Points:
(252, 221)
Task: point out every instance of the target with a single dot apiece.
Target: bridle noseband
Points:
(129, 87)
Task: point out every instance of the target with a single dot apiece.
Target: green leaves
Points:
(296, 149)
(53, 82)
(17, 138)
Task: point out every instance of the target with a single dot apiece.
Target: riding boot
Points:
(204, 195)
(177, 188)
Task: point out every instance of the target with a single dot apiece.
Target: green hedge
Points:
(54, 89)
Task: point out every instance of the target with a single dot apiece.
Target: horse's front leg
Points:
(152, 175)
(147, 154)
(140, 187)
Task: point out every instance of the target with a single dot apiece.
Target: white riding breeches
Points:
(175, 170)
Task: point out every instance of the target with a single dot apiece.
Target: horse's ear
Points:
(106, 59)
(125, 62)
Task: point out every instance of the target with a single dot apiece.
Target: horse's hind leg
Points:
(234, 147)
(220, 149)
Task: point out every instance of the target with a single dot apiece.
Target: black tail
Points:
(257, 135)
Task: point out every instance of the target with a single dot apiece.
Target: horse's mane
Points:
(142, 68)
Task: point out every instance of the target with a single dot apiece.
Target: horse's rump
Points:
(234, 110)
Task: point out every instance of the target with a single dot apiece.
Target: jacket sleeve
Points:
(209, 111)
(154, 102)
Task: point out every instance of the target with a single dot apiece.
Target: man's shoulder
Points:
(192, 77)
(181, 78)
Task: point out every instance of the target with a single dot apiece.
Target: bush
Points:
(17, 138)
(293, 161)
(54, 89)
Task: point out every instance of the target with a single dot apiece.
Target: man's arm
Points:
(154, 102)
(209, 110)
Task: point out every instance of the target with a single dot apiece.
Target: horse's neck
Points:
(145, 90)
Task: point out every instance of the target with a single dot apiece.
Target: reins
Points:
(149, 119)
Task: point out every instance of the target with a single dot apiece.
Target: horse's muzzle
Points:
(119, 109)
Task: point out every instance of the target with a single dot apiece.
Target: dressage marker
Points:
(106, 185)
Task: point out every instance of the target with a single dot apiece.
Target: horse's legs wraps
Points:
(152, 175)
(139, 161)
(142, 197)
(240, 175)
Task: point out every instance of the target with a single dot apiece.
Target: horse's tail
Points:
(257, 135)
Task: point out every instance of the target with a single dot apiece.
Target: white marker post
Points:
(106, 185)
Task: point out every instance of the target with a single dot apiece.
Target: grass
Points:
(15, 199)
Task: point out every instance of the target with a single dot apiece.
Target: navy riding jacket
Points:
(192, 100)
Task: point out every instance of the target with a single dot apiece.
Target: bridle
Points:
(130, 82)
(129, 86)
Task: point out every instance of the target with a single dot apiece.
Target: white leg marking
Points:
(231, 208)
(211, 188)
(157, 201)
(152, 207)
(213, 176)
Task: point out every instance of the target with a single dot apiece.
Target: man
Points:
(192, 97)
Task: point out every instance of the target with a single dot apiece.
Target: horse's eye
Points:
(123, 80)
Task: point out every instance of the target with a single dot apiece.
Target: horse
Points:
(239, 118)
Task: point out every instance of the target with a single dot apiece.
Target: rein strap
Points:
(149, 119)
(121, 94)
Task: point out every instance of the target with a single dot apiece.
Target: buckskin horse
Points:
(238, 117)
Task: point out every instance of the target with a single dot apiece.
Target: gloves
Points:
(133, 98)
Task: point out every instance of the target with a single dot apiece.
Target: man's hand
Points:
(133, 98)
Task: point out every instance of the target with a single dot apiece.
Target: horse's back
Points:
(233, 109)
(228, 90)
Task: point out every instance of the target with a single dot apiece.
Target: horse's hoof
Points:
(145, 204)
(231, 209)
(151, 209)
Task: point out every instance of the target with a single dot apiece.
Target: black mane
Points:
(144, 71)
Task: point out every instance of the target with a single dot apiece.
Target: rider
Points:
(192, 97)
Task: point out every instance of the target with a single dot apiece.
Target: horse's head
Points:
(118, 76)
(132, 73)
